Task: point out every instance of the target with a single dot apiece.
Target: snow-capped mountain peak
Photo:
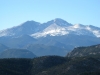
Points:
(61, 22)
(58, 21)
(56, 27)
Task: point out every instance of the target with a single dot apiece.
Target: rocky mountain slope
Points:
(85, 51)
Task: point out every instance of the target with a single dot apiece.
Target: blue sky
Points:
(15, 12)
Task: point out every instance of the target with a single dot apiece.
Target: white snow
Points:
(96, 33)
(52, 30)
(88, 28)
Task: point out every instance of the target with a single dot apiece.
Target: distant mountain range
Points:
(55, 37)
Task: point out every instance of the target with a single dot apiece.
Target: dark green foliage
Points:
(91, 73)
(43, 63)
(75, 66)
(29, 66)
(15, 66)
(51, 65)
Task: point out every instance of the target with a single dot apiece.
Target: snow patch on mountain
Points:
(95, 31)
(78, 26)
(52, 30)
(75, 27)
(61, 22)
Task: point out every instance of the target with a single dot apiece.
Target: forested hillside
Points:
(54, 65)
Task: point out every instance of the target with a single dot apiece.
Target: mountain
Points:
(69, 41)
(17, 53)
(56, 27)
(17, 42)
(3, 47)
(43, 50)
(85, 51)
(56, 33)
(28, 27)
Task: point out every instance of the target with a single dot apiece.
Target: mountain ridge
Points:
(32, 28)
(56, 33)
